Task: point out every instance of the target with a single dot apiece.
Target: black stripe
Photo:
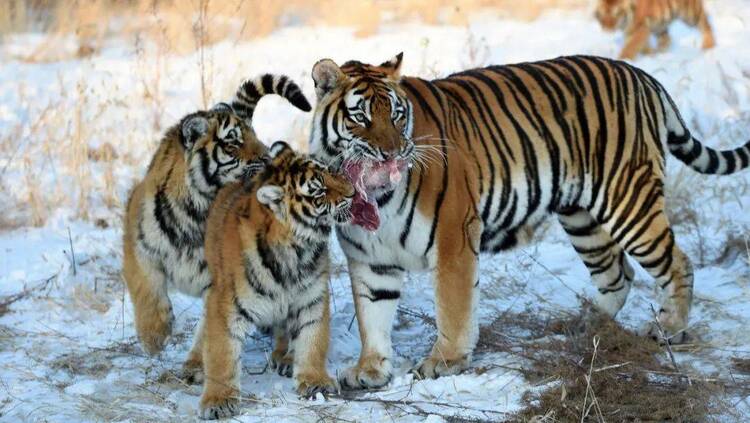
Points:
(386, 269)
(382, 295)
(267, 81)
(351, 242)
(242, 311)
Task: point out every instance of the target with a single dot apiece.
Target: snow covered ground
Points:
(78, 133)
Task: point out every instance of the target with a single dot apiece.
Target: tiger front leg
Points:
(376, 290)
(224, 335)
(309, 336)
(456, 297)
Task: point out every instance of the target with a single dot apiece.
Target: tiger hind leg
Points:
(148, 293)
(648, 238)
(663, 41)
(708, 34)
(192, 369)
(636, 42)
(603, 257)
(282, 357)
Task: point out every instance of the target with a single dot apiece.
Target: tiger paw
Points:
(372, 373)
(652, 330)
(282, 363)
(214, 407)
(435, 367)
(309, 385)
(154, 331)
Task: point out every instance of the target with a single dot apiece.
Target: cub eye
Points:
(359, 118)
(231, 149)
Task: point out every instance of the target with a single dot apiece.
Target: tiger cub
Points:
(641, 18)
(166, 212)
(267, 252)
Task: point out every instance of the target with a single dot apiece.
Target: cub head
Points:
(303, 194)
(363, 124)
(612, 14)
(220, 148)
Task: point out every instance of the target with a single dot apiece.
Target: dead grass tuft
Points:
(741, 365)
(589, 368)
(97, 365)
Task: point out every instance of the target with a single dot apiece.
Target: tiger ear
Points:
(393, 67)
(327, 75)
(193, 128)
(270, 196)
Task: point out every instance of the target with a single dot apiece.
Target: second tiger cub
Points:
(267, 252)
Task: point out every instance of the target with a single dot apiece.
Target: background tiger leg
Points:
(192, 369)
(708, 33)
(376, 294)
(282, 359)
(663, 40)
(603, 257)
(636, 41)
(310, 335)
(456, 297)
(648, 238)
(221, 357)
(148, 293)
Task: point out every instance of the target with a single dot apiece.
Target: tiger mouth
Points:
(369, 179)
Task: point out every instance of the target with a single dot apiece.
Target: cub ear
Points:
(270, 196)
(393, 67)
(278, 148)
(222, 107)
(327, 76)
(193, 128)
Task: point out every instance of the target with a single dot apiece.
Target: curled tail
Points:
(705, 159)
(252, 90)
(692, 152)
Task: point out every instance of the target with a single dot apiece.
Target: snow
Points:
(68, 350)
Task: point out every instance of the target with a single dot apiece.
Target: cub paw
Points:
(192, 373)
(309, 385)
(434, 367)
(282, 363)
(219, 407)
(154, 331)
(371, 373)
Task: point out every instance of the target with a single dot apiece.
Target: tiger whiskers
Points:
(427, 154)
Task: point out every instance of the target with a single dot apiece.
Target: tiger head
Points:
(363, 125)
(303, 194)
(219, 148)
(612, 14)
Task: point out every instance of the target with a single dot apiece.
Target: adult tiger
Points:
(495, 150)
(641, 18)
(166, 212)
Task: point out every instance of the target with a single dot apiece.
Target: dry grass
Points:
(90, 22)
(588, 368)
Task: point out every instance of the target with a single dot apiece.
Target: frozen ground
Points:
(67, 345)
